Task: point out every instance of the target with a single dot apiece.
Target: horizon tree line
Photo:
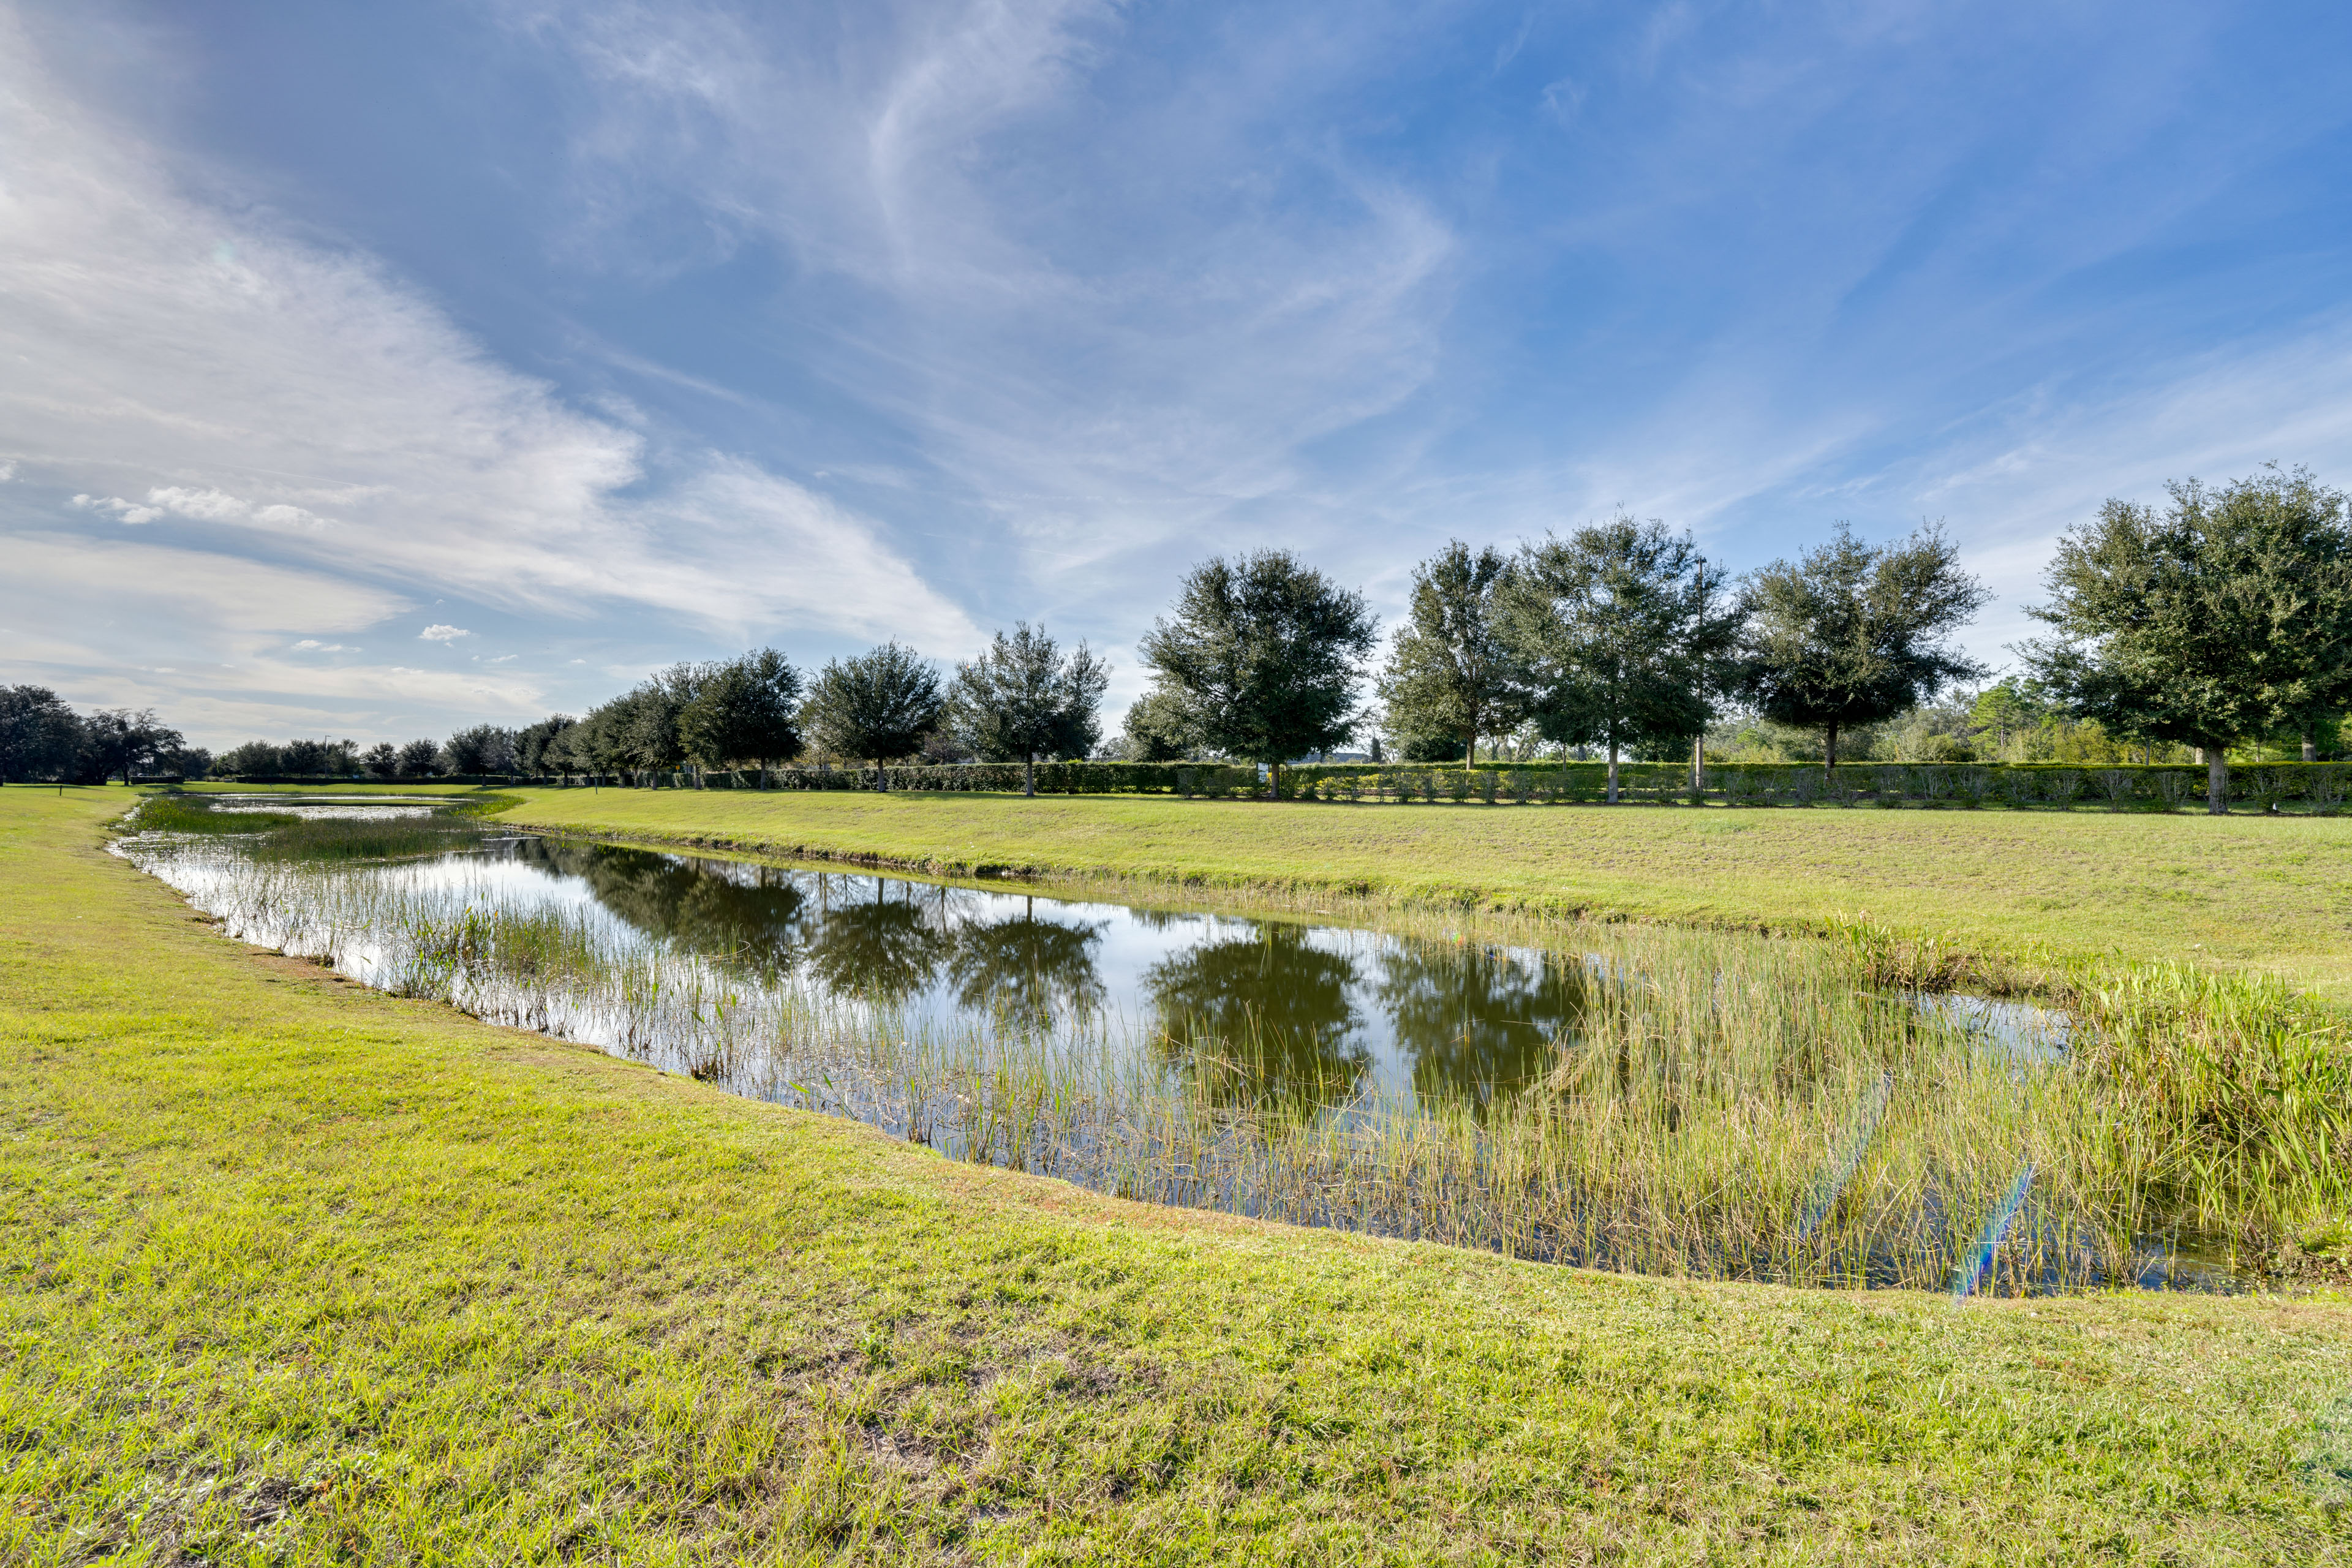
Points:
(1022, 698)
(2224, 616)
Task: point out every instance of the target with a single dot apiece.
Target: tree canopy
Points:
(2226, 615)
(1453, 672)
(479, 749)
(1626, 631)
(538, 747)
(1158, 729)
(1023, 696)
(1851, 633)
(1261, 655)
(126, 740)
(39, 735)
(746, 710)
(878, 705)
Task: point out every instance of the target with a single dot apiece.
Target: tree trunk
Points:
(1698, 770)
(1470, 754)
(1274, 780)
(2217, 781)
(2310, 750)
(1829, 754)
(881, 778)
(1612, 768)
(1029, 774)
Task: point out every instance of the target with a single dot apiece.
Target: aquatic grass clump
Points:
(315, 840)
(2235, 1097)
(191, 815)
(289, 835)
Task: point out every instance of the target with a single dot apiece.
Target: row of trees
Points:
(1023, 699)
(41, 738)
(1619, 636)
(484, 749)
(2225, 616)
(1623, 636)
(2220, 618)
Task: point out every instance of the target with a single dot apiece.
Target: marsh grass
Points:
(1728, 1106)
(2233, 1099)
(182, 813)
(295, 836)
(311, 840)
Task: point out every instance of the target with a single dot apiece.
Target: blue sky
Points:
(373, 370)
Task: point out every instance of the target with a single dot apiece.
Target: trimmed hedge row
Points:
(2321, 787)
(2317, 787)
(359, 778)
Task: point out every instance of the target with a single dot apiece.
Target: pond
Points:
(1648, 1099)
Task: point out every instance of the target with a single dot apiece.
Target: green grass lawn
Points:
(2271, 893)
(297, 1272)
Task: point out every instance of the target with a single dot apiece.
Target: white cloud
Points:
(207, 505)
(443, 634)
(312, 644)
(200, 505)
(122, 510)
(249, 381)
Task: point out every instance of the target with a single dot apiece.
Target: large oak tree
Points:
(1854, 634)
(1626, 630)
(1453, 671)
(1024, 697)
(2226, 615)
(879, 704)
(1262, 657)
(746, 710)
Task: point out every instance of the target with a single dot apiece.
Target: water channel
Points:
(1659, 1102)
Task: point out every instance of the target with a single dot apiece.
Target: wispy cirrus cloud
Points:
(274, 399)
(1136, 294)
(1081, 315)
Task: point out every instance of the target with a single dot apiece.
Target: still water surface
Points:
(1343, 1014)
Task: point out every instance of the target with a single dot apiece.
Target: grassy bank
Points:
(2266, 893)
(299, 1272)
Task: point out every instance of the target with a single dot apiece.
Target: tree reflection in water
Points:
(1477, 1022)
(879, 948)
(1027, 971)
(747, 915)
(1266, 1020)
